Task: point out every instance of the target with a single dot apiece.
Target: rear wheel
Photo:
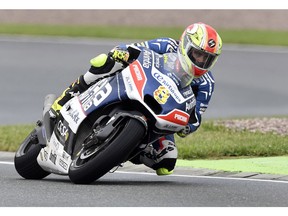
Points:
(93, 162)
(25, 160)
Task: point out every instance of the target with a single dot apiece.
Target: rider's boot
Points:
(161, 156)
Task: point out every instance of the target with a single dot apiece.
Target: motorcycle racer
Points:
(198, 48)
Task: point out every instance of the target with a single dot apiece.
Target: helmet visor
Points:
(175, 66)
(199, 57)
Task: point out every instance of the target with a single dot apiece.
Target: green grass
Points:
(11, 136)
(243, 36)
(209, 142)
(268, 165)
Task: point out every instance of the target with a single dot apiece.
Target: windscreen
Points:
(174, 69)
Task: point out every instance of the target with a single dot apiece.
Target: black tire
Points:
(115, 152)
(25, 160)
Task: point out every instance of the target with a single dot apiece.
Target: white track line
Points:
(185, 176)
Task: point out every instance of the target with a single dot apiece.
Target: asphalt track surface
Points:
(250, 80)
(137, 186)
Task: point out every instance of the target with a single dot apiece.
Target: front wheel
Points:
(25, 160)
(87, 167)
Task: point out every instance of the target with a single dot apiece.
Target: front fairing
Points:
(154, 77)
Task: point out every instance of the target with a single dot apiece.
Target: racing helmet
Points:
(199, 48)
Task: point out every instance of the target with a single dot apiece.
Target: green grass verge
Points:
(265, 165)
(11, 136)
(209, 142)
(243, 36)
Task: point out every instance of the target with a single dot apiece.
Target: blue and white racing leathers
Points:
(202, 87)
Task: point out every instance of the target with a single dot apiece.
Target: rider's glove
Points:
(184, 132)
(119, 55)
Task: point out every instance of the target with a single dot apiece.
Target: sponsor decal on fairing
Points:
(147, 57)
(96, 95)
(161, 95)
(73, 113)
(134, 80)
(176, 116)
(53, 157)
(169, 84)
(63, 129)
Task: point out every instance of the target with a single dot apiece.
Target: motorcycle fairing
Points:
(181, 99)
(139, 78)
(77, 109)
(53, 158)
(131, 84)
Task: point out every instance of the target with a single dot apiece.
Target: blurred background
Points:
(234, 18)
(250, 80)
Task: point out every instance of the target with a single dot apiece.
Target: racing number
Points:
(102, 94)
(97, 97)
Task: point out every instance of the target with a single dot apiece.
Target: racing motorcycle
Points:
(111, 122)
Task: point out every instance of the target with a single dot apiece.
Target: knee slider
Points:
(101, 64)
(99, 60)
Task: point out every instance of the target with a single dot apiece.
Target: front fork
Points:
(48, 122)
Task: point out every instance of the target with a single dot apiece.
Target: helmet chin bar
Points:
(199, 72)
